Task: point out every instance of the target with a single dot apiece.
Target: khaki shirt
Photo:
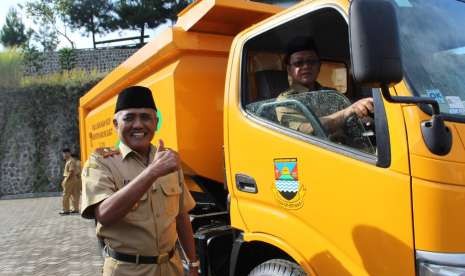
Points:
(70, 165)
(291, 117)
(150, 227)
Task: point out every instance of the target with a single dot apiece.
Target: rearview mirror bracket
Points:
(436, 135)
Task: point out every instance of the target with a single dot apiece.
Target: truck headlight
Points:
(440, 264)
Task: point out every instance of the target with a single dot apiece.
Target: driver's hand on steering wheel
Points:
(361, 108)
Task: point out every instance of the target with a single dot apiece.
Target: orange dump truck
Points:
(384, 195)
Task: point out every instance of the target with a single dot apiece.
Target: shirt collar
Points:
(300, 88)
(125, 151)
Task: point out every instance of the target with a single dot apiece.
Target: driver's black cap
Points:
(300, 43)
(135, 97)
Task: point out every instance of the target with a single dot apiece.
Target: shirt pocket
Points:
(171, 195)
(140, 210)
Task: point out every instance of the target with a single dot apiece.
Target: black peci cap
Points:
(135, 97)
(301, 43)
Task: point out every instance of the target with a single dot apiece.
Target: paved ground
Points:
(35, 240)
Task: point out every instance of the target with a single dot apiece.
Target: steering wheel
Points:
(361, 129)
(318, 129)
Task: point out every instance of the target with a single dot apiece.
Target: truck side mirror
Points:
(374, 43)
(376, 62)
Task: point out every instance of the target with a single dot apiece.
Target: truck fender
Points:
(252, 249)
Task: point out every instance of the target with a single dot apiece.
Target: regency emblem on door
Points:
(287, 189)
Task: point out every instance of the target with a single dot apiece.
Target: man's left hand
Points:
(361, 108)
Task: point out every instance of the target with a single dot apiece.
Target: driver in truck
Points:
(303, 63)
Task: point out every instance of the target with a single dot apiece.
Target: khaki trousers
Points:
(69, 192)
(76, 194)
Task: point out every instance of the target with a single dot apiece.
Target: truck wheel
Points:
(277, 267)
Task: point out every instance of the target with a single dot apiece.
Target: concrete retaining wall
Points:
(103, 60)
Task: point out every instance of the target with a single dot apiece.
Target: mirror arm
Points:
(410, 100)
(436, 135)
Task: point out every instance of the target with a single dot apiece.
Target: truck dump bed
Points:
(185, 67)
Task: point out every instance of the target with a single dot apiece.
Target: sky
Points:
(79, 39)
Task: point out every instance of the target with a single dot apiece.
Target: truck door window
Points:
(271, 94)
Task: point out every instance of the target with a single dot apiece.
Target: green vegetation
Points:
(72, 77)
(67, 57)
(11, 68)
(54, 18)
(136, 14)
(37, 120)
(95, 17)
(12, 62)
(13, 33)
(32, 58)
(46, 14)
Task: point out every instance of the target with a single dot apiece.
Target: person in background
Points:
(76, 194)
(69, 183)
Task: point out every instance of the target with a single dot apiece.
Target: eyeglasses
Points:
(301, 63)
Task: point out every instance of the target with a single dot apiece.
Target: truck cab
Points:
(378, 201)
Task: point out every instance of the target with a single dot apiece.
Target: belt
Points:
(138, 259)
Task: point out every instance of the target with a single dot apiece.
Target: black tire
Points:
(277, 267)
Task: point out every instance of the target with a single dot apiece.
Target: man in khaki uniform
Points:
(69, 183)
(76, 194)
(303, 66)
(138, 196)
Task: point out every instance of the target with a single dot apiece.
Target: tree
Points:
(67, 58)
(32, 58)
(14, 33)
(139, 14)
(93, 16)
(175, 6)
(47, 14)
(47, 37)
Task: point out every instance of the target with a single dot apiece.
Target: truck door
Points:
(336, 200)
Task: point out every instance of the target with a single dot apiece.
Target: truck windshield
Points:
(433, 50)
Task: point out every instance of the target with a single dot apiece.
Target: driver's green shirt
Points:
(291, 117)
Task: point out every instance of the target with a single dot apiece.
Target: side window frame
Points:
(383, 156)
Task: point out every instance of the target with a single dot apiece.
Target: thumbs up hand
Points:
(165, 161)
(161, 146)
